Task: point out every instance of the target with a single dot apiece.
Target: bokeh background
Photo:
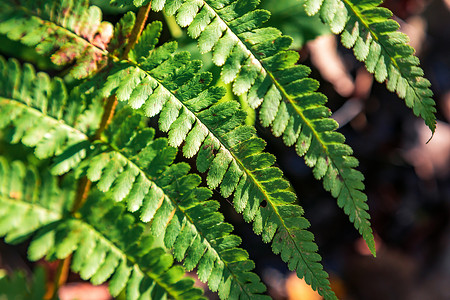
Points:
(407, 179)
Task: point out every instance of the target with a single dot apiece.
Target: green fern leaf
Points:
(373, 35)
(106, 243)
(37, 111)
(225, 148)
(71, 31)
(132, 167)
(135, 182)
(19, 188)
(122, 3)
(122, 32)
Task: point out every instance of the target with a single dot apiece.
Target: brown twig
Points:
(136, 32)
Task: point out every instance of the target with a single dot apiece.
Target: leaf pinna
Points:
(375, 39)
(37, 111)
(71, 31)
(133, 167)
(105, 243)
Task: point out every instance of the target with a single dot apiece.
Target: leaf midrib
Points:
(31, 205)
(384, 48)
(286, 96)
(40, 114)
(69, 32)
(181, 210)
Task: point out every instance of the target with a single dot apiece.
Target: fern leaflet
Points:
(105, 242)
(134, 168)
(37, 111)
(20, 187)
(373, 35)
(69, 30)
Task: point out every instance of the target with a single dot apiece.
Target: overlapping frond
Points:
(29, 201)
(71, 31)
(106, 243)
(258, 63)
(131, 166)
(37, 111)
(161, 81)
(374, 37)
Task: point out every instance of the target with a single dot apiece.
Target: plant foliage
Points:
(375, 39)
(94, 134)
(68, 30)
(104, 241)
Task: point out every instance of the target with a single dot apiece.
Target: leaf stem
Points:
(84, 185)
(137, 29)
(62, 272)
(107, 116)
(135, 34)
(111, 103)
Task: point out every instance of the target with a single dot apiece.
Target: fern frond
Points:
(71, 31)
(20, 188)
(374, 37)
(122, 33)
(122, 3)
(258, 63)
(168, 83)
(133, 167)
(17, 285)
(37, 111)
(106, 243)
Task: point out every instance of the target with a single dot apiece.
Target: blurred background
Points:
(407, 179)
